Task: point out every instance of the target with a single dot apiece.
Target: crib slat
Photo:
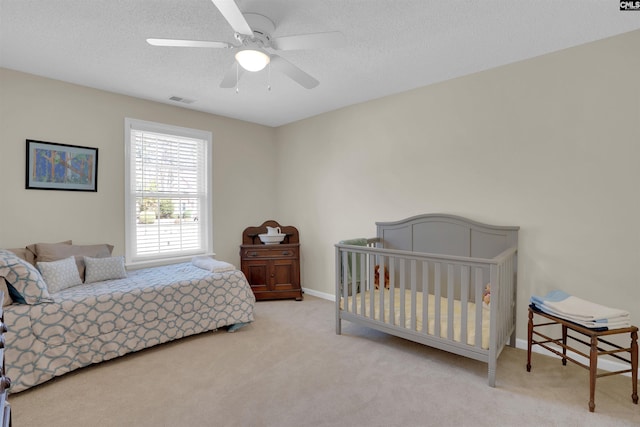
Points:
(366, 286)
(382, 264)
(513, 296)
(450, 300)
(345, 280)
(402, 321)
(354, 275)
(370, 286)
(437, 297)
(478, 286)
(464, 300)
(392, 285)
(425, 297)
(357, 273)
(413, 295)
(493, 321)
(352, 259)
(503, 269)
(500, 315)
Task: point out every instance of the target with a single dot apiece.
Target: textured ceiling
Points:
(391, 46)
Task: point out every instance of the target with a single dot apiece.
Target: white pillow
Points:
(59, 275)
(99, 269)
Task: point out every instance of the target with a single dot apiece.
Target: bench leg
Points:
(529, 340)
(593, 370)
(634, 366)
(564, 345)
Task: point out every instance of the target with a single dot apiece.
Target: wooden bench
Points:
(598, 346)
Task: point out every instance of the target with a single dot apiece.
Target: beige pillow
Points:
(25, 254)
(47, 252)
(30, 253)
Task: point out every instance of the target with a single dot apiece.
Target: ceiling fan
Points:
(254, 51)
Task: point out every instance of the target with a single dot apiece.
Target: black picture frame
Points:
(54, 166)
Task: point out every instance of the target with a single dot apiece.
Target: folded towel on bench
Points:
(585, 313)
(211, 264)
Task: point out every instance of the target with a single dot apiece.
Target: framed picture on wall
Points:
(53, 166)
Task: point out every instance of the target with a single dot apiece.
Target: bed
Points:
(440, 280)
(93, 322)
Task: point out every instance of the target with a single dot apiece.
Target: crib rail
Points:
(423, 290)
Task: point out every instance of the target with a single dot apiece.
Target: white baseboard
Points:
(318, 294)
(604, 364)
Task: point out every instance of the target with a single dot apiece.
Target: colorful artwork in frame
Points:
(52, 166)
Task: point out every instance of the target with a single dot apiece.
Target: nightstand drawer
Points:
(281, 252)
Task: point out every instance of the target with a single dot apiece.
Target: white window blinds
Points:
(168, 197)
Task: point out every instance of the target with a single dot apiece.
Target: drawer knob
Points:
(285, 252)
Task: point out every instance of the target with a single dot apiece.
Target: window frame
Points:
(132, 258)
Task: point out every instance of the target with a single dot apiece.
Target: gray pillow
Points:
(60, 275)
(99, 269)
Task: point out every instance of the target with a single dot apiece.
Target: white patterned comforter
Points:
(99, 321)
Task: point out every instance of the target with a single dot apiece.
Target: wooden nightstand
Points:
(273, 271)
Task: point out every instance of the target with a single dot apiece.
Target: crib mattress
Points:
(457, 314)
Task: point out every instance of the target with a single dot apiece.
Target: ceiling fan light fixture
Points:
(252, 59)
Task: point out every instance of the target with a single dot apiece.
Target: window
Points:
(167, 192)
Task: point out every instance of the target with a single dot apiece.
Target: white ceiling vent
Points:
(183, 100)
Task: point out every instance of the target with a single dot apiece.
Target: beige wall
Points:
(36, 108)
(550, 144)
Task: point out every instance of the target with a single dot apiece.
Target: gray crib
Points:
(424, 279)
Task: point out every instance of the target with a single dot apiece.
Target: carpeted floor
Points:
(289, 368)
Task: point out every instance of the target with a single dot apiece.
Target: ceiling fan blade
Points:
(232, 14)
(293, 72)
(188, 43)
(232, 76)
(309, 41)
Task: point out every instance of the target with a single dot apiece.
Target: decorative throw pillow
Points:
(24, 281)
(99, 269)
(46, 252)
(59, 275)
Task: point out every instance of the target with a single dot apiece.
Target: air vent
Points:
(183, 100)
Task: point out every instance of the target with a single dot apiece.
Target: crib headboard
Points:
(448, 235)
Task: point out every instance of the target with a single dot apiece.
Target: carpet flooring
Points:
(289, 368)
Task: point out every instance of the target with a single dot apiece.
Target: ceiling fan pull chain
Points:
(237, 78)
(269, 77)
